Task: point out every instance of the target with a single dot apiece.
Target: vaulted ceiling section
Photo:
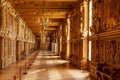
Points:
(55, 10)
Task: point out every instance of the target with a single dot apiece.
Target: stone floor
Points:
(48, 66)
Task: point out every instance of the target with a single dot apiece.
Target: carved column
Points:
(85, 30)
(60, 39)
(68, 38)
(85, 35)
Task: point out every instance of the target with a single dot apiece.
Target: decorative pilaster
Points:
(85, 29)
(68, 38)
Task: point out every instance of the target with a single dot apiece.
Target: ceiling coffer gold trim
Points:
(56, 10)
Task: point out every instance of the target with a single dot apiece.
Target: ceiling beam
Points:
(38, 34)
(37, 29)
(47, 26)
(34, 10)
(41, 8)
(52, 0)
(39, 12)
(46, 16)
(58, 0)
(31, 23)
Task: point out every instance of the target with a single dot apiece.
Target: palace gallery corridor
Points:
(48, 66)
(59, 39)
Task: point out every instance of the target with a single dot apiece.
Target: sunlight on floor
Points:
(54, 75)
(80, 75)
(34, 72)
(48, 57)
(47, 67)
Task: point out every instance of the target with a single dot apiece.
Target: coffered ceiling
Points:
(55, 10)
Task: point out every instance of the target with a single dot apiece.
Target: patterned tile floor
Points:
(47, 66)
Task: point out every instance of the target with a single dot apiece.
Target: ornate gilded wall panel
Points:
(76, 29)
(109, 59)
(96, 16)
(106, 51)
(111, 14)
(106, 25)
(63, 53)
(64, 40)
(106, 15)
(94, 50)
(117, 56)
(101, 52)
(10, 24)
(112, 51)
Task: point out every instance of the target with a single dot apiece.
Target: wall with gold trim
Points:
(16, 39)
(105, 39)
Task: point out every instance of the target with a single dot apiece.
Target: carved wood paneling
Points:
(117, 56)
(64, 39)
(76, 53)
(108, 51)
(112, 51)
(106, 15)
(111, 14)
(96, 16)
(94, 52)
(105, 53)
(13, 29)
(102, 58)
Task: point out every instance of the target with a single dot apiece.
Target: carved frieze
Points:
(111, 14)
(106, 15)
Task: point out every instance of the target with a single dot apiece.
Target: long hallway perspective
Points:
(59, 39)
(49, 66)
